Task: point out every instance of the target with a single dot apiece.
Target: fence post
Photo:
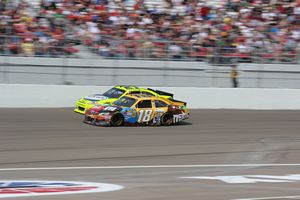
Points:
(191, 53)
(4, 75)
(64, 69)
(165, 73)
(115, 71)
(259, 72)
(214, 75)
(5, 69)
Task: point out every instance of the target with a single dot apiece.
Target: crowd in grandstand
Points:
(32, 34)
(155, 28)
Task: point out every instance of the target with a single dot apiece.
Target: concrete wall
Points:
(204, 98)
(137, 64)
(71, 71)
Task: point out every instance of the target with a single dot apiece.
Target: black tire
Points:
(166, 119)
(96, 122)
(117, 120)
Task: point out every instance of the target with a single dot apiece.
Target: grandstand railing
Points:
(154, 50)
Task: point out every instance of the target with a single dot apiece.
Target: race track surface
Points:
(54, 144)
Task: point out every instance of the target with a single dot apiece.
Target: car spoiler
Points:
(161, 92)
(177, 101)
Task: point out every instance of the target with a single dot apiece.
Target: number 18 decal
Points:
(144, 115)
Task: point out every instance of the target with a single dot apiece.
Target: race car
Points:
(137, 109)
(114, 94)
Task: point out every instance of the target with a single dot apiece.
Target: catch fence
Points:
(145, 50)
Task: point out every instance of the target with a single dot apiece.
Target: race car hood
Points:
(95, 97)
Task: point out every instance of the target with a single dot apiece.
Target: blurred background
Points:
(155, 43)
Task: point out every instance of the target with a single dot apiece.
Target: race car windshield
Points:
(125, 102)
(114, 93)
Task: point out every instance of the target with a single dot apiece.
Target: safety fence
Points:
(109, 48)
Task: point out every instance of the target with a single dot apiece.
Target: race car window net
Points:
(159, 104)
(125, 102)
(135, 92)
(144, 104)
(114, 93)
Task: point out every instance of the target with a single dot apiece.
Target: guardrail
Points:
(47, 96)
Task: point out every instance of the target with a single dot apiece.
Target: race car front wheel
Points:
(97, 122)
(166, 119)
(117, 120)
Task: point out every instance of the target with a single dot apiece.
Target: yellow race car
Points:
(114, 94)
(138, 109)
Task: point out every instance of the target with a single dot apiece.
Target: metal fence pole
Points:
(3, 73)
(259, 73)
(214, 68)
(5, 69)
(115, 71)
(64, 70)
(165, 77)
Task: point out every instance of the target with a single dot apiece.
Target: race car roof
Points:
(139, 96)
(146, 97)
(126, 87)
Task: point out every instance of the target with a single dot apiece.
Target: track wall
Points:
(13, 95)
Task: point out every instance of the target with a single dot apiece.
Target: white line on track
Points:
(146, 166)
(271, 198)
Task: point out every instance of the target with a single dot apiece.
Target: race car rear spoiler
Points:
(177, 101)
(162, 92)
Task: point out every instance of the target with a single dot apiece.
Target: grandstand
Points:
(219, 31)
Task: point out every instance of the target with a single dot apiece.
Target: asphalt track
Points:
(151, 160)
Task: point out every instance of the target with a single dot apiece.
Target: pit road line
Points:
(271, 198)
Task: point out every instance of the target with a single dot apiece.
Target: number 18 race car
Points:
(138, 110)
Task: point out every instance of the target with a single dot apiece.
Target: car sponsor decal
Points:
(41, 188)
(157, 117)
(110, 108)
(179, 117)
(130, 115)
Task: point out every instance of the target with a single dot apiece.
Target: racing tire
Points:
(166, 119)
(117, 120)
(96, 122)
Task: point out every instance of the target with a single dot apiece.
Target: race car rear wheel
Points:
(117, 120)
(166, 119)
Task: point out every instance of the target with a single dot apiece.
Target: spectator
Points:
(27, 47)
(148, 48)
(234, 76)
(246, 27)
(175, 51)
(105, 51)
(29, 33)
